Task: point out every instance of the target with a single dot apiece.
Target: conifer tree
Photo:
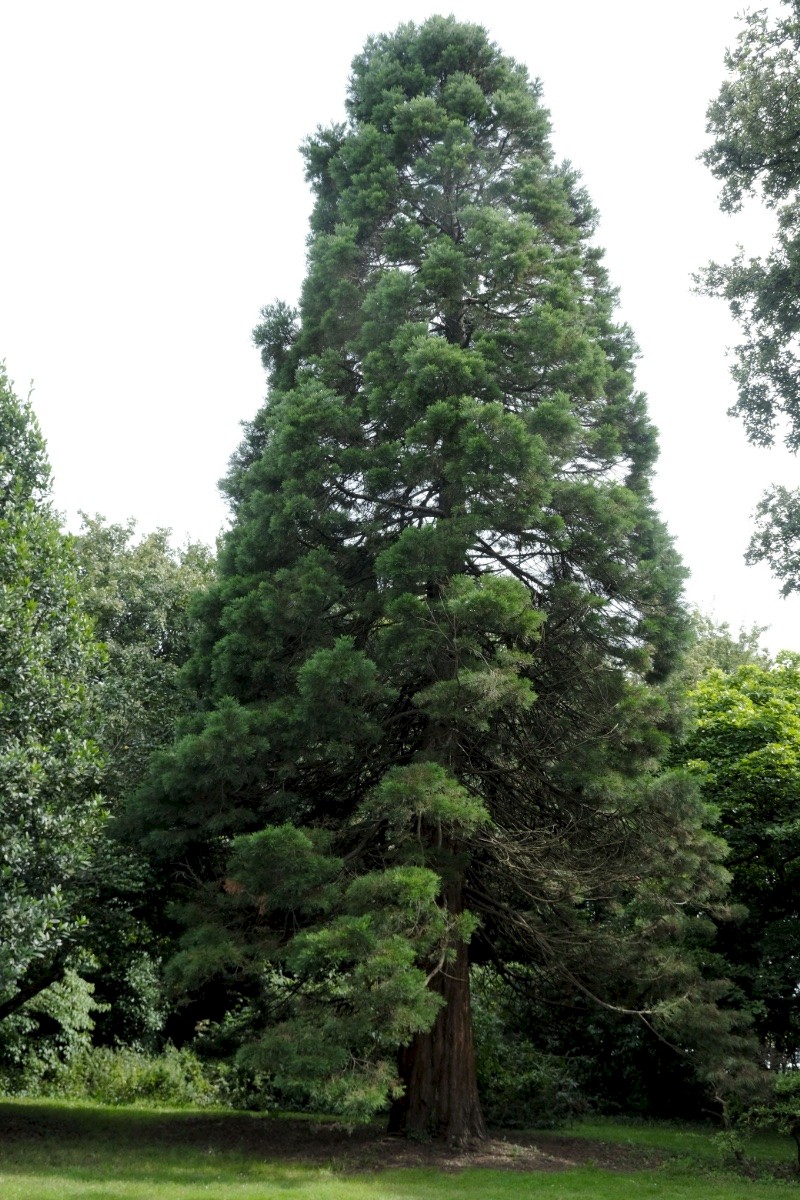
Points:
(430, 733)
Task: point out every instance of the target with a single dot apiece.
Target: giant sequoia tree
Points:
(428, 735)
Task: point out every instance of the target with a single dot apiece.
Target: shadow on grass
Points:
(223, 1151)
(229, 1153)
(60, 1151)
(95, 1144)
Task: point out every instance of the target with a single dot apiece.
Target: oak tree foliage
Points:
(755, 153)
(50, 810)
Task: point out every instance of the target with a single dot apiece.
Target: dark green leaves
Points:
(745, 745)
(424, 720)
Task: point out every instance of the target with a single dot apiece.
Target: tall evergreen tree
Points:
(430, 736)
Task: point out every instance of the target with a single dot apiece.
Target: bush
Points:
(176, 1078)
(136, 1012)
(38, 1042)
(46, 1050)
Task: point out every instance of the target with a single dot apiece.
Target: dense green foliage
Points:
(138, 595)
(49, 767)
(429, 730)
(173, 1078)
(524, 1078)
(93, 902)
(756, 152)
(416, 730)
(40, 1039)
(746, 741)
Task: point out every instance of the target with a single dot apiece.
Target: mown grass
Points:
(582, 1184)
(695, 1142)
(86, 1152)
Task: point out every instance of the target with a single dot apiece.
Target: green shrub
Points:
(781, 1110)
(175, 1078)
(39, 1041)
(137, 1011)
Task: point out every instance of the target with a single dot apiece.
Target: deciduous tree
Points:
(50, 812)
(755, 122)
(746, 741)
(138, 593)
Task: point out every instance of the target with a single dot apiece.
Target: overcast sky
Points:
(153, 200)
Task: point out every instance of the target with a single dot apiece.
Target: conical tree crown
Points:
(444, 586)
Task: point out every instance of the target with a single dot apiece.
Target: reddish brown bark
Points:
(438, 1068)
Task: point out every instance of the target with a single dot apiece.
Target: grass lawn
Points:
(685, 1141)
(59, 1151)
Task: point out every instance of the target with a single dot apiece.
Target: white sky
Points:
(152, 200)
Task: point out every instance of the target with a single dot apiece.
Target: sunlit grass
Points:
(57, 1151)
(685, 1141)
(272, 1183)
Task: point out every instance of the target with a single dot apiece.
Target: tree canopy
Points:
(49, 764)
(138, 593)
(430, 730)
(746, 742)
(755, 121)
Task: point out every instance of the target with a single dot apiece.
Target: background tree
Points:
(50, 813)
(715, 646)
(746, 741)
(429, 734)
(755, 122)
(138, 594)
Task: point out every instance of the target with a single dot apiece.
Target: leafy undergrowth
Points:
(58, 1151)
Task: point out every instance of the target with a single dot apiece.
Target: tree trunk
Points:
(438, 1068)
(32, 983)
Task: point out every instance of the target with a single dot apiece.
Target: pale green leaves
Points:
(50, 814)
(424, 794)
